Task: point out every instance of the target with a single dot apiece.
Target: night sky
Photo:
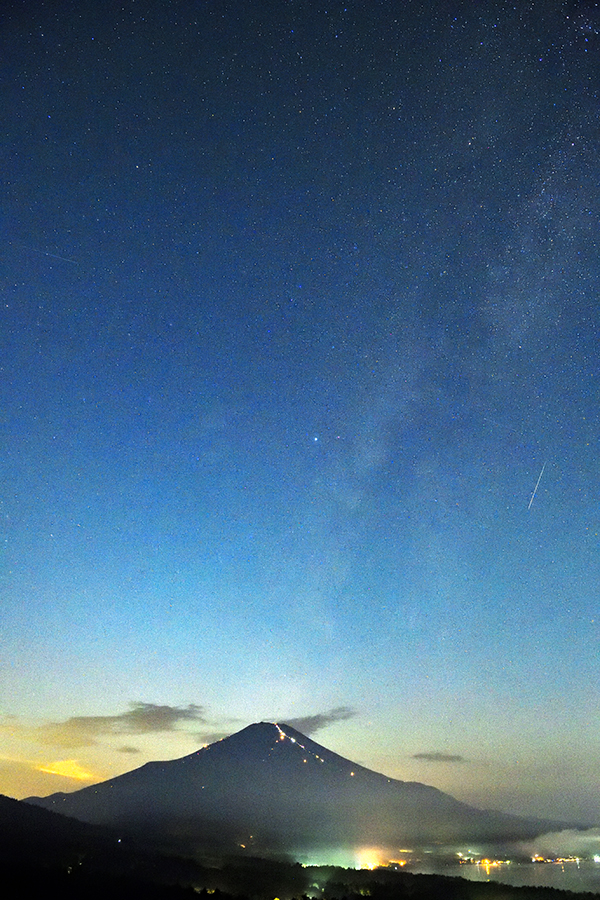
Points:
(298, 301)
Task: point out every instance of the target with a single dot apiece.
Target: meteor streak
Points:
(537, 484)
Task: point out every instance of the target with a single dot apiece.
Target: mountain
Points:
(43, 852)
(29, 833)
(269, 789)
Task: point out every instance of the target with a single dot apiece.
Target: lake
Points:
(567, 876)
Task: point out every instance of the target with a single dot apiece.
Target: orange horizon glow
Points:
(67, 768)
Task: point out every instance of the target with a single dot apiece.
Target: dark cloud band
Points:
(439, 757)
(142, 718)
(310, 724)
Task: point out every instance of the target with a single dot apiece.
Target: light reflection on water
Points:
(568, 876)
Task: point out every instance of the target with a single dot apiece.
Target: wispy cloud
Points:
(439, 757)
(209, 737)
(68, 768)
(24, 776)
(142, 718)
(569, 842)
(310, 724)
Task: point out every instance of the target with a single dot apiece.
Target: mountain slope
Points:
(271, 789)
(43, 852)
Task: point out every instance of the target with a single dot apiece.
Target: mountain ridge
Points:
(272, 789)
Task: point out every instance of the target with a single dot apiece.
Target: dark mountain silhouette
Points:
(45, 854)
(269, 789)
(29, 833)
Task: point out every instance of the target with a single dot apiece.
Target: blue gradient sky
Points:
(297, 300)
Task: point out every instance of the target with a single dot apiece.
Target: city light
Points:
(369, 858)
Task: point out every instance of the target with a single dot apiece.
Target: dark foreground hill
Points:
(43, 854)
(270, 790)
(40, 850)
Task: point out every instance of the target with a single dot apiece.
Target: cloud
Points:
(439, 757)
(68, 768)
(22, 777)
(569, 842)
(142, 718)
(127, 749)
(309, 724)
(210, 737)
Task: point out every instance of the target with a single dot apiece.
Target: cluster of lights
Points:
(375, 857)
(558, 859)
(487, 864)
(474, 860)
(283, 736)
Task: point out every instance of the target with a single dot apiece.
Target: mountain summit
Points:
(270, 789)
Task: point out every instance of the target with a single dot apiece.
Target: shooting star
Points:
(47, 253)
(537, 484)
